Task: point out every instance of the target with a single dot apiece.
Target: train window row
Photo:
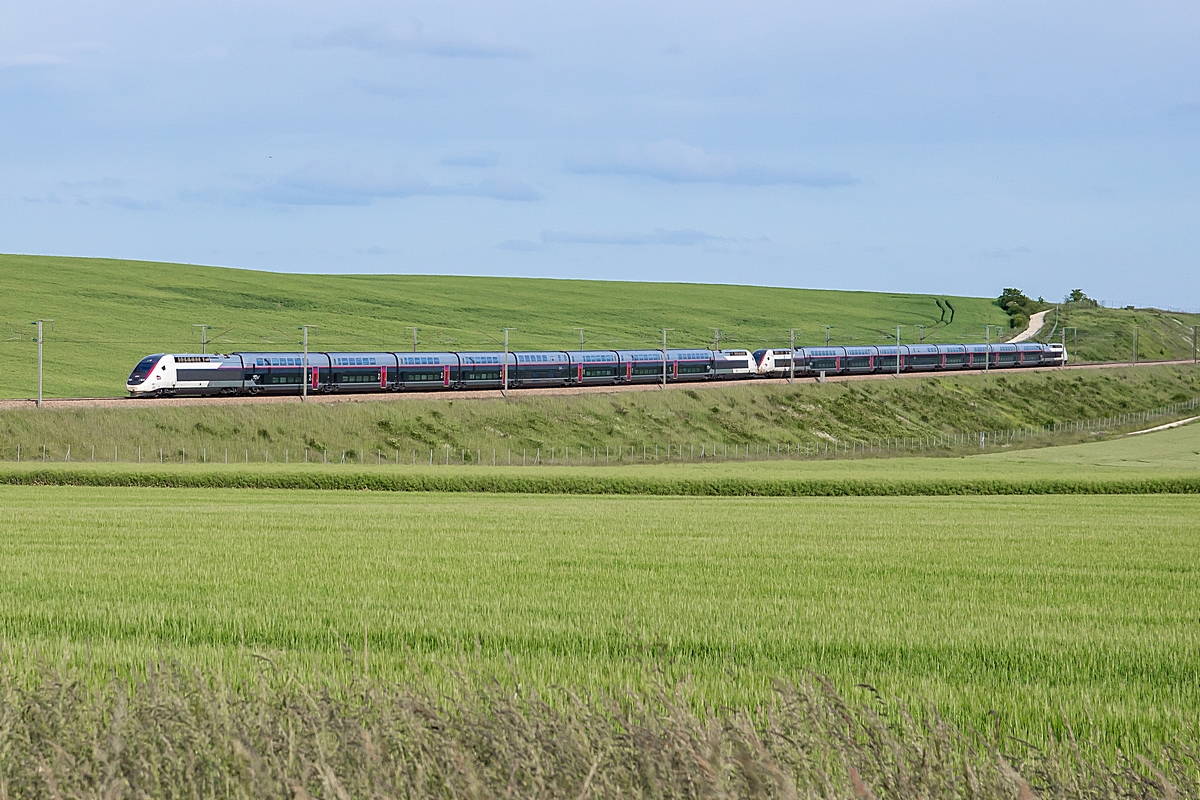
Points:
(420, 360)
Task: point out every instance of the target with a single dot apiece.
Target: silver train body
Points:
(252, 373)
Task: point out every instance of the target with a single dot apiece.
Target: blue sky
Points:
(953, 147)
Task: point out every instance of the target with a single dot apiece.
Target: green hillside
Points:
(110, 313)
(1106, 334)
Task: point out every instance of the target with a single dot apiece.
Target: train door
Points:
(629, 371)
(675, 370)
(315, 382)
(383, 377)
(446, 376)
(579, 373)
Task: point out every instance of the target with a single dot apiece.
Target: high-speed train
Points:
(168, 375)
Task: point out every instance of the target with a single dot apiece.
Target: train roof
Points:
(550, 355)
(600, 356)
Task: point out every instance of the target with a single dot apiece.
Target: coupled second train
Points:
(168, 375)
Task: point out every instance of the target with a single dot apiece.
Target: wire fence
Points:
(610, 454)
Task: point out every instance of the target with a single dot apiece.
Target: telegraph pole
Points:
(1193, 344)
(922, 339)
(716, 338)
(897, 349)
(987, 333)
(664, 352)
(304, 376)
(414, 330)
(40, 337)
(792, 360)
(203, 337)
(1135, 343)
(828, 328)
(1074, 339)
(581, 331)
(504, 369)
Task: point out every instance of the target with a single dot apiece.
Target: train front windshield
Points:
(142, 370)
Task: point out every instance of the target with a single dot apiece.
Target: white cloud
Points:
(333, 185)
(32, 60)
(1007, 252)
(471, 158)
(685, 237)
(674, 161)
(413, 39)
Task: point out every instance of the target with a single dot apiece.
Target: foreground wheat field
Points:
(1043, 610)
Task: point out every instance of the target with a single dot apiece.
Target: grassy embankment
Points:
(111, 313)
(1165, 462)
(1031, 607)
(806, 416)
(1106, 334)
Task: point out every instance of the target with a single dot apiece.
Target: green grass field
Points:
(110, 313)
(1032, 607)
(805, 415)
(1106, 334)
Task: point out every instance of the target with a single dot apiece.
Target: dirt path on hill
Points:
(1036, 322)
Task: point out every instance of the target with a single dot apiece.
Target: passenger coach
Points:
(167, 374)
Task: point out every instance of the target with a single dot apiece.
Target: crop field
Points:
(1033, 607)
(109, 313)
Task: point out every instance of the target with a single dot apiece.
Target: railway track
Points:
(494, 394)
